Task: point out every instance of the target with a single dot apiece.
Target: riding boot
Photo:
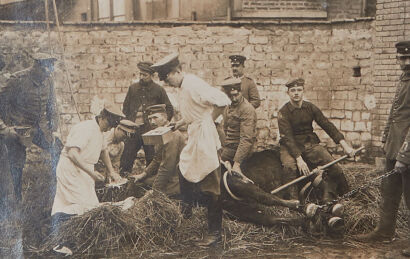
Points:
(391, 191)
(214, 221)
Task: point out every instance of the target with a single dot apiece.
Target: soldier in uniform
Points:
(163, 168)
(248, 86)
(28, 100)
(199, 165)
(299, 145)
(396, 139)
(140, 95)
(239, 125)
(6, 183)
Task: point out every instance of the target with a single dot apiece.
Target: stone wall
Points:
(392, 25)
(100, 60)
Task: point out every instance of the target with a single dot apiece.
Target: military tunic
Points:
(250, 91)
(27, 101)
(139, 97)
(240, 130)
(298, 139)
(398, 123)
(164, 165)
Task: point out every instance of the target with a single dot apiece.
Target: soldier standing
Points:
(200, 104)
(396, 139)
(140, 95)
(29, 101)
(248, 86)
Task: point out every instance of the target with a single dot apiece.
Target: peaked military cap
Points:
(41, 56)
(113, 110)
(165, 65)
(156, 108)
(230, 84)
(146, 67)
(237, 59)
(128, 126)
(295, 82)
(403, 48)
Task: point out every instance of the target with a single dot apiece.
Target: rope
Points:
(64, 59)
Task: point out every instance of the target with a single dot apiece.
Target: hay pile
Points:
(150, 225)
(362, 209)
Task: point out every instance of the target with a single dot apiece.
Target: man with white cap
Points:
(199, 164)
(75, 170)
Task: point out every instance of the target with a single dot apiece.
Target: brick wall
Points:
(101, 62)
(392, 25)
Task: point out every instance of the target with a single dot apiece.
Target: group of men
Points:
(180, 167)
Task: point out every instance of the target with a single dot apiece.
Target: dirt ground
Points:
(20, 237)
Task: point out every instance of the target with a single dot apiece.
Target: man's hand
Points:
(115, 176)
(237, 169)
(302, 166)
(56, 135)
(179, 124)
(9, 132)
(228, 166)
(98, 177)
(400, 167)
(138, 177)
(347, 148)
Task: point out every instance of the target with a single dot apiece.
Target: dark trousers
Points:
(212, 201)
(131, 147)
(17, 157)
(392, 188)
(334, 181)
(6, 183)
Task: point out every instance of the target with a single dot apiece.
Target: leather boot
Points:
(214, 221)
(391, 196)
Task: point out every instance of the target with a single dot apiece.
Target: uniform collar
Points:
(292, 107)
(240, 77)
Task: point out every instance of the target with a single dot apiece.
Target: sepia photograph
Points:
(205, 129)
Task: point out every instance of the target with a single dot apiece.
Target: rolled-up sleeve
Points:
(286, 134)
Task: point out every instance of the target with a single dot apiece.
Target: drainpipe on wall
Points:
(364, 4)
(229, 11)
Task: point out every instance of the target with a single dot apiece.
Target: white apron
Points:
(197, 99)
(75, 188)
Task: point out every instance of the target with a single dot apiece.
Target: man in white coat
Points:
(76, 176)
(199, 164)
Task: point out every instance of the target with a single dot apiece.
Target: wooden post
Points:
(48, 23)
